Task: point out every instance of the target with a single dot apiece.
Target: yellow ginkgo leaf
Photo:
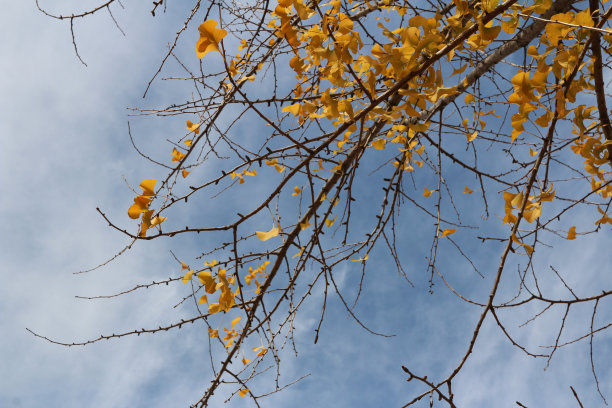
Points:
(469, 98)
(264, 236)
(210, 36)
(261, 350)
(329, 222)
(148, 187)
(528, 248)
(379, 144)
(188, 142)
(184, 266)
(185, 173)
(365, 258)
(293, 109)
(489, 5)
(177, 156)
(145, 223)
(532, 152)
(158, 220)
(467, 190)
(203, 299)
(214, 308)
(448, 232)
(296, 191)
(471, 137)
(243, 391)
(305, 224)
(426, 192)
(245, 361)
(533, 213)
(571, 234)
(188, 276)
(235, 321)
(192, 127)
(208, 281)
(213, 333)
(141, 204)
(299, 253)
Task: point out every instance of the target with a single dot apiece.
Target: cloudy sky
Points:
(65, 151)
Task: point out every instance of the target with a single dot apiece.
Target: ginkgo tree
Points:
(486, 122)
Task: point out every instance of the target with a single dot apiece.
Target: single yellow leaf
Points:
(188, 142)
(245, 361)
(235, 321)
(532, 152)
(177, 156)
(489, 5)
(533, 213)
(264, 236)
(379, 144)
(213, 333)
(448, 232)
(365, 258)
(305, 224)
(192, 127)
(472, 136)
(426, 192)
(299, 253)
(183, 266)
(469, 98)
(329, 222)
(185, 173)
(203, 299)
(214, 308)
(294, 109)
(467, 190)
(141, 204)
(210, 36)
(571, 234)
(208, 281)
(148, 187)
(528, 248)
(188, 276)
(296, 191)
(243, 392)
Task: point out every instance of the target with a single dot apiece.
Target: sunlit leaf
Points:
(467, 190)
(141, 203)
(210, 36)
(264, 236)
(365, 258)
(329, 222)
(571, 234)
(192, 127)
(448, 232)
(187, 276)
(299, 253)
(379, 144)
(148, 187)
(243, 391)
(214, 308)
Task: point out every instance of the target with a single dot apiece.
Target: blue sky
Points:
(65, 151)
